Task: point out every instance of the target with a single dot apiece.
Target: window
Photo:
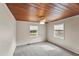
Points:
(59, 31)
(33, 31)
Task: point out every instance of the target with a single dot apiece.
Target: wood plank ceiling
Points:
(39, 11)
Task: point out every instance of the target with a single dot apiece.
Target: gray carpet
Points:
(41, 49)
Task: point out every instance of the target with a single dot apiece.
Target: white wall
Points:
(7, 31)
(71, 41)
(23, 36)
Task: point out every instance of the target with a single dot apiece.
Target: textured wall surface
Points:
(23, 33)
(71, 40)
(7, 31)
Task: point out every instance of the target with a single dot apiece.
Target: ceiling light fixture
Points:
(43, 21)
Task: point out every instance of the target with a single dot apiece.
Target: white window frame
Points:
(33, 27)
(61, 28)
